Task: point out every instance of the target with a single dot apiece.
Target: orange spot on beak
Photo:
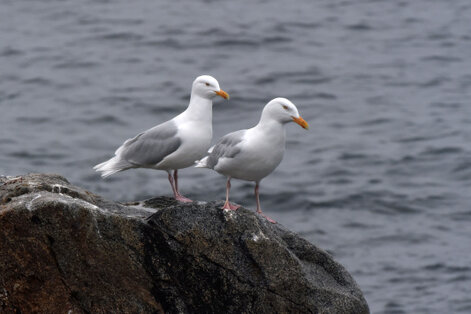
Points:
(301, 122)
(222, 93)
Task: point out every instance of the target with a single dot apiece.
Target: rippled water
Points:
(382, 180)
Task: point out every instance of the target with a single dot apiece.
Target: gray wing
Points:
(226, 147)
(150, 147)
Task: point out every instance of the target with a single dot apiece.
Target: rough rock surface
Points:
(66, 250)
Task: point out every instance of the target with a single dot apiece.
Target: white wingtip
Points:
(112, 166)
(201, 163)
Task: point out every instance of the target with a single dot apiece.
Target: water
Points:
(382, 178)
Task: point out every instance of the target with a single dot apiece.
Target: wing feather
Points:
(152, 146)
(227, 147)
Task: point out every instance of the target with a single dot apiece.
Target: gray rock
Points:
(63, 248)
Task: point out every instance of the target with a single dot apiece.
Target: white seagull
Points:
(253, 154)
(174, 144)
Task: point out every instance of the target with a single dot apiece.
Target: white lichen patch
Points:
(81, 202)
(61, 198)
(140, 207)
(229, 214)
(11, 178)
(30, 205)
(57, 188)
(68, 200)
(259, 236)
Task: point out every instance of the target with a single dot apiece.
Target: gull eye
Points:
(285, 107)
(207, 84)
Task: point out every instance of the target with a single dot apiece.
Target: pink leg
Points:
(179, 197)
(227, 204)
(175, 176)
(174, 185)
(259, 210)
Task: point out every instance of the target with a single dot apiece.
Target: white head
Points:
(283, 111)
(207, 87)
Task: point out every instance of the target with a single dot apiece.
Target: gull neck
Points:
(200, 108)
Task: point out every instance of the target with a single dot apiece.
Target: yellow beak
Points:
(301, 122)
(222, 93)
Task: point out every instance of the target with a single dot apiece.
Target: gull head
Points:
(284, 111)
(207, 87)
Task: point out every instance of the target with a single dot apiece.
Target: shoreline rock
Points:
(65, 249)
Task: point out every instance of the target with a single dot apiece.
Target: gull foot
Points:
(183, 199)
(234, 207)
(267, 218)
(229, 206)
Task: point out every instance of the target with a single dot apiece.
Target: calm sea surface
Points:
(382, 180)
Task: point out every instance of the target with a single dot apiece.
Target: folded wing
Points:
(227, 147)
(152, 146)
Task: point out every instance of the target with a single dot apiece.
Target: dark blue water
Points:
(382, 179)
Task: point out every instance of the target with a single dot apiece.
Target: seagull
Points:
(174, 144)
(254, 153)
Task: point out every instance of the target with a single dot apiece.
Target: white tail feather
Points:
(112, 166)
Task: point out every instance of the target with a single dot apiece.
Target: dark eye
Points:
(285, 107)
(207, 84)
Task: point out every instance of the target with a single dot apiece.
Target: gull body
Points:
(254, 153)
(174, 144)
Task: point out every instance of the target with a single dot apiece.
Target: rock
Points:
(66, 250)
